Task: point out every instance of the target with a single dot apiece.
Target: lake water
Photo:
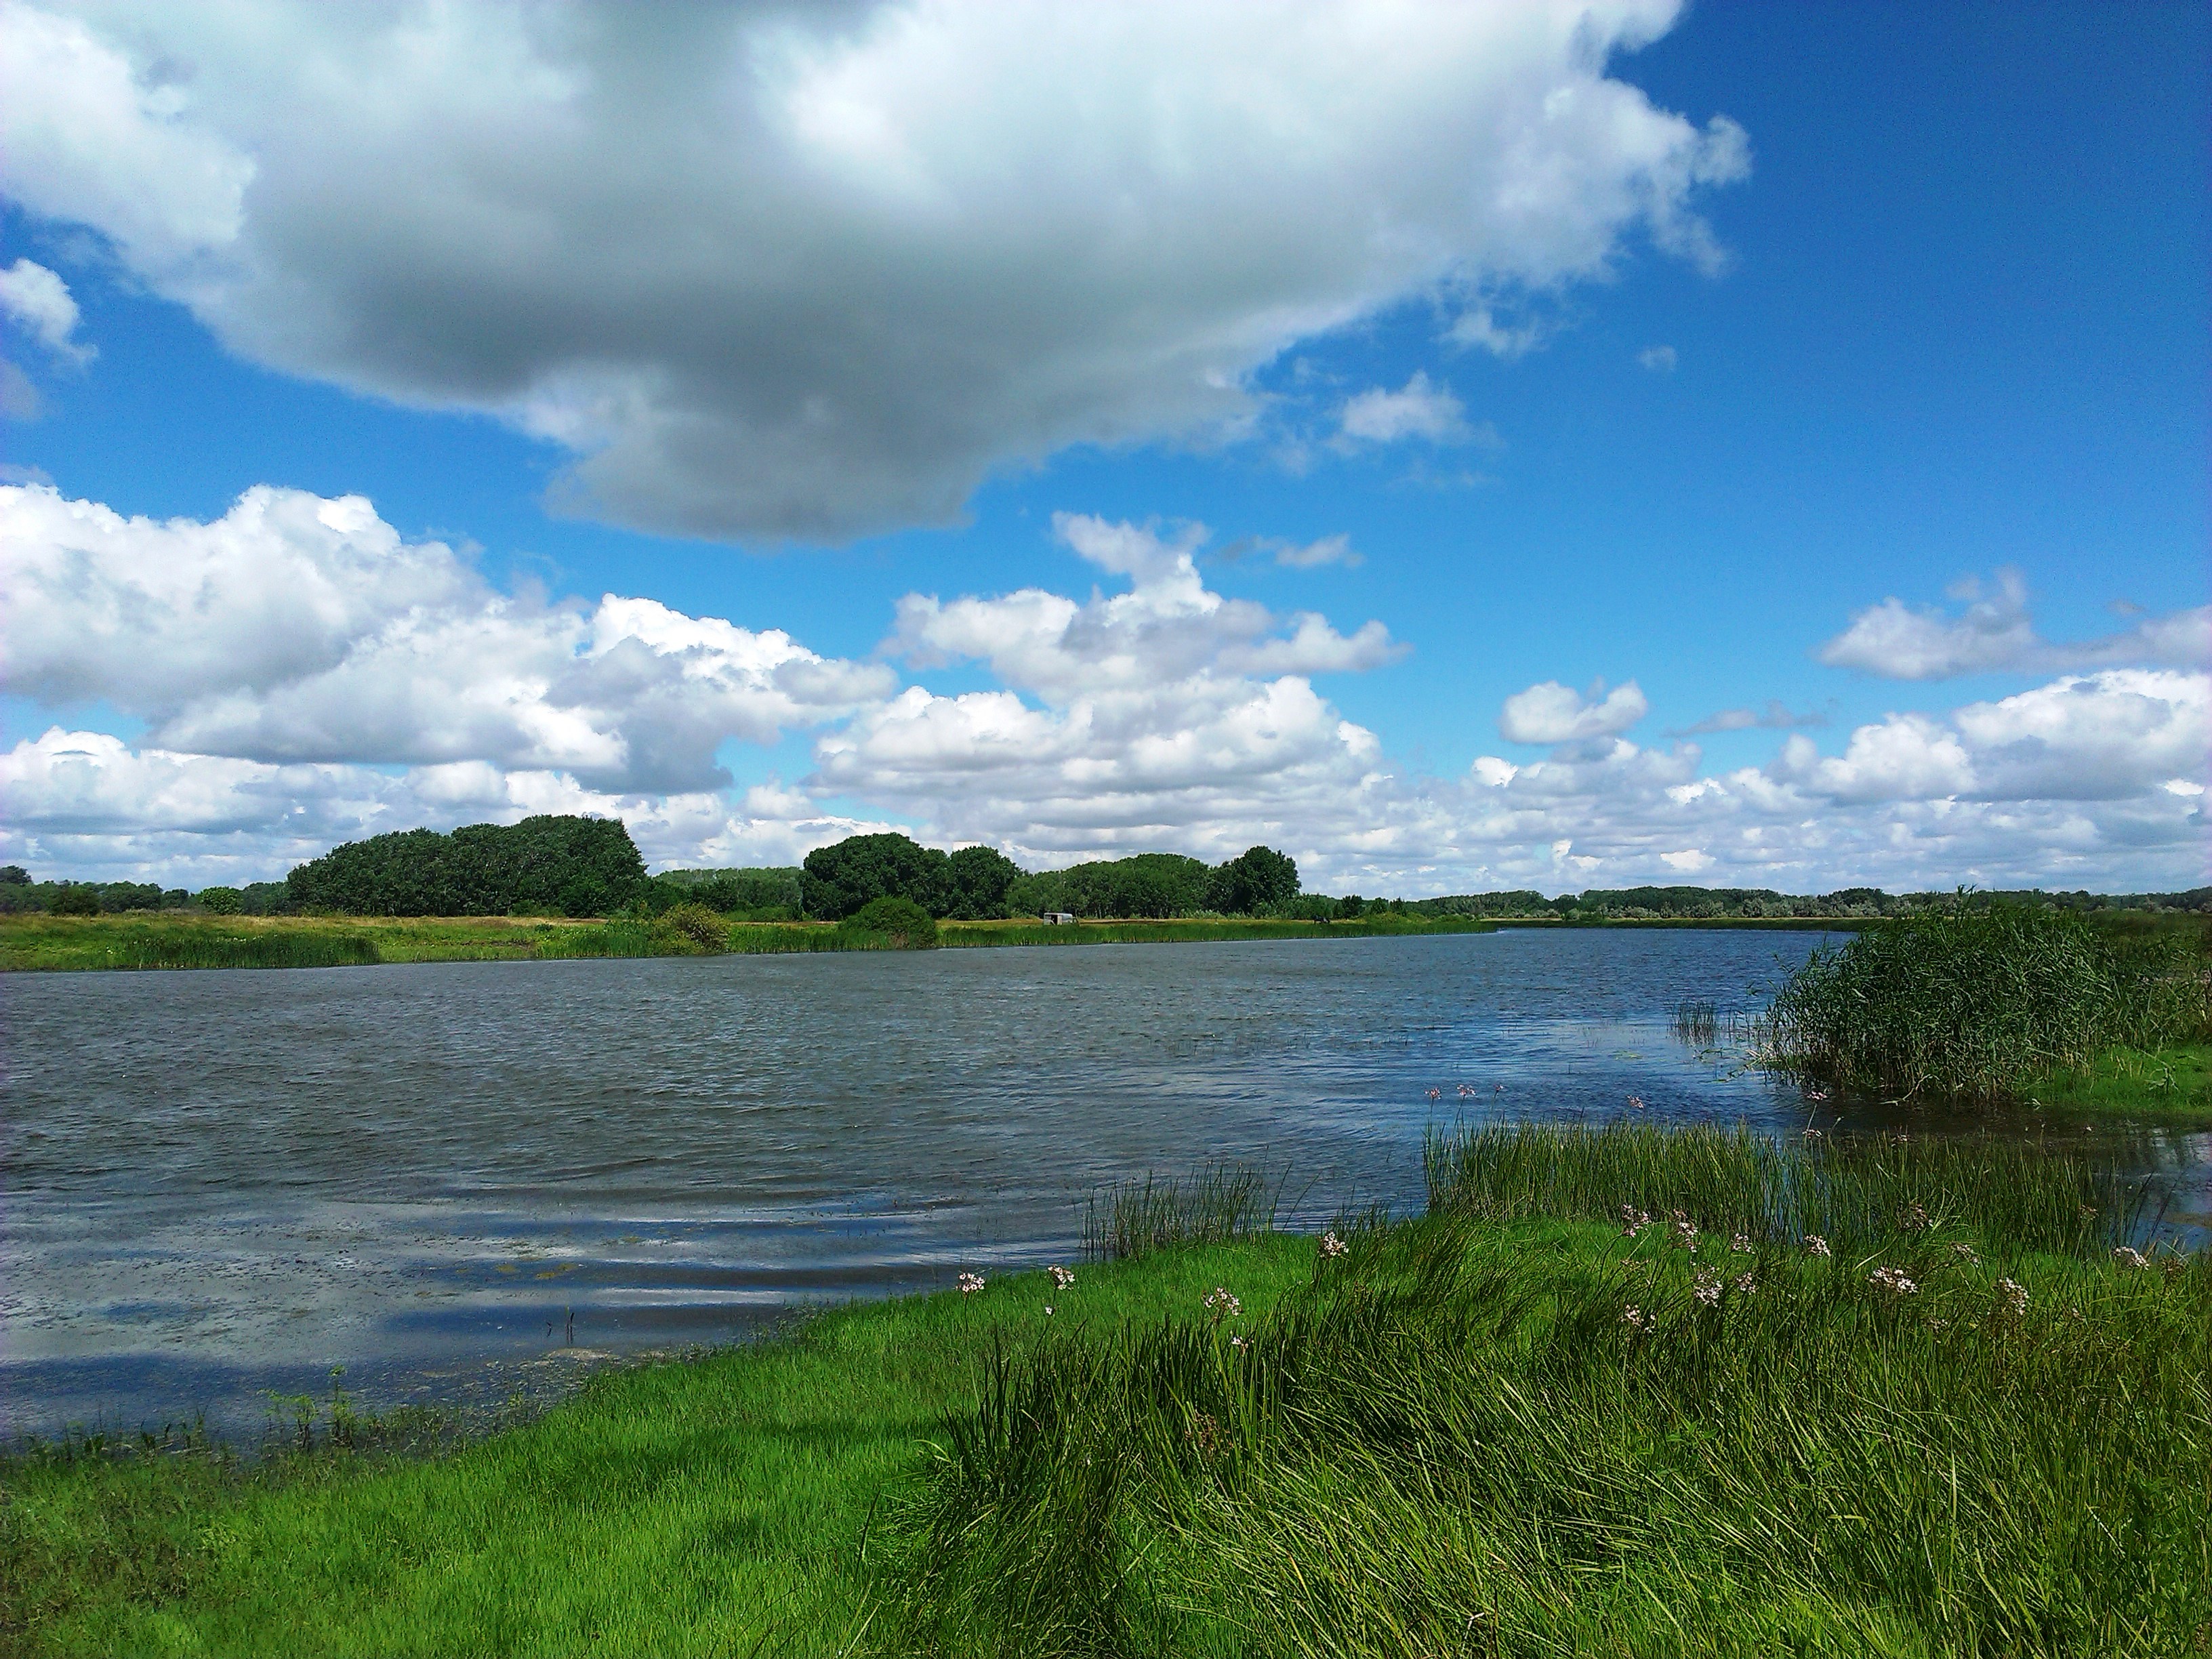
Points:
(459, 1179)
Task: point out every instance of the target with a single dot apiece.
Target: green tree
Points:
(1254, 879)
(584, 867)
(976, 882)
(837, 881)
(77, 898)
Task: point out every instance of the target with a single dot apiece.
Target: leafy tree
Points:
(583, 866)
(977, 880)
(837, 881)
(14, 875)
(1352, 907)
(905, 924)
(221, 901)
(1254, 879)
(77, 898)
(764, 894)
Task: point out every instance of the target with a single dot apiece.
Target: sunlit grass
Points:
(34, 940)
(1958, 1423)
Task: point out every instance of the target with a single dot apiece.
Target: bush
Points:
(77, 899)
(221, 901)
(900, 921)
(696, 925)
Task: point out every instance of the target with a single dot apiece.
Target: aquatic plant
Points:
(1976, 999)
(1218, 1205)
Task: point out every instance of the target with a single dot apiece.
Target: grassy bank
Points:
(1956, 1423)
(38, 941)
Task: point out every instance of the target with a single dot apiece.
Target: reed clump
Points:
(1977, 1000)
(1222, 1204)
(1513, 1430)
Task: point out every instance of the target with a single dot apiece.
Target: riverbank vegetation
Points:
(37, 941)
(2004, 1002)
(1613, 1392)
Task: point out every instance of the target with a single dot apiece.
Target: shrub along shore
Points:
(1621, 1391)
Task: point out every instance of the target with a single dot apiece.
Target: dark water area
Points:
(461, 1181)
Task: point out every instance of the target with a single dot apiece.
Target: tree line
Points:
(583, 866)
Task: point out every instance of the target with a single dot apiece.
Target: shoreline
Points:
(880, 1473)
(159, 941)
(133, 941)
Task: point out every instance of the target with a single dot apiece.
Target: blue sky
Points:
(1834, 307)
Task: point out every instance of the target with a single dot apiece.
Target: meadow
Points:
(167, 939)
(1621, 1390)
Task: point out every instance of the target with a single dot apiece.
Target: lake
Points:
(457, 1181)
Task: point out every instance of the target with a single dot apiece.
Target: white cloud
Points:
(1416, 410)
(1775, 717)
(1659, 359)
(296, 628)
(1478, 326)
(1995, 633)
(1329, 550)
(1552, 713)
(1168, 715)
(309, 675)
(38, 302)
(775, 272)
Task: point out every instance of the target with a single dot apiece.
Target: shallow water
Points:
(457, 1180)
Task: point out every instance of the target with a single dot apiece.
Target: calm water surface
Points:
(222, 1183)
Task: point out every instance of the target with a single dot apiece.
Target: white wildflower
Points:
(1061, 1277)
(1332, 1246)
(1893, 1278)
(1707, 1290)
(1222, 1304)
(2014, 1295)
(969, 1284)
(1816, 1245)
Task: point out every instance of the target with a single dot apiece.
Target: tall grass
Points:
(197, 948)
(1540, 1437)
(1851, 1190)
(1976, 999)
(1221, 1204)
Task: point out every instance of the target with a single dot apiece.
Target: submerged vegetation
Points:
(1989, 1001)
(1620, 1391)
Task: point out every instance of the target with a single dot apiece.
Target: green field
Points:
(170, 939)
(1959, 1423)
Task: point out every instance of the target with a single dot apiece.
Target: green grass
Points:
(1452, 1438)
(1499, 1429)
(2172, 1084)
(720, 1505)
(35, 941)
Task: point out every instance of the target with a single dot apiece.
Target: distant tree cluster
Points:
(18, 892)
(1847, 903)
(589, 867)
(568, 866)
(769, 894)
(977, 883)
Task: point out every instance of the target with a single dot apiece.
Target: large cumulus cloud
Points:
(775, 271)
(307, 675)
(300, 628)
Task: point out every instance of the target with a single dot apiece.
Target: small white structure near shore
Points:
(1060, 918)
